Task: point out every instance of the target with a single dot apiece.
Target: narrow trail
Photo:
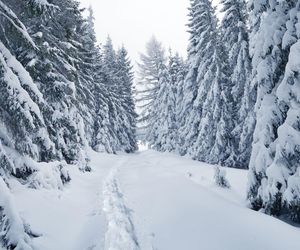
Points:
(120, 232)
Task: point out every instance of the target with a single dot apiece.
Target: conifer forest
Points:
(172, 151)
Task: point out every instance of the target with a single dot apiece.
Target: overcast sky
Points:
(133, 22)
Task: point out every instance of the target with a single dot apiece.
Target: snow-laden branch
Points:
(10, 16)
(43, 3)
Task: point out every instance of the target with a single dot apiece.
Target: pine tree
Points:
(55, 68)
(103, 134)
(162, 133)
(85, 44)
(236, 43)
(23, 126)
(207, 103)
(282, 192)
(187, 116)
(22, 129)
(180, 95)
(111, 82)
(125, 79)
(268, 60)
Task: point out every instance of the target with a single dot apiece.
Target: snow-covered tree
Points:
(282, 190)
(23, 126)
(220, 178)
(52, 76)
(148, 81)
(161, 135)
(269, 58)
(206, 107)
(111, 83)
(186, 116)
(103, 136)
(54, 67)
(234, 34)
(117, 78)
(127, 105)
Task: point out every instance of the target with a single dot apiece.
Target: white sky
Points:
(133, 22)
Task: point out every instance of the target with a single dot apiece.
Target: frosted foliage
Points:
(11, 17)
(16, 75)
(199, 111)
(13, 233)
(220, 178)
(236, 42)
(148, 81)
(267, 33)
(161, 135)
(284, 170)
(274, 165)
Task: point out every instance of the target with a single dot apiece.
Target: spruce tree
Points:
(234, 35)
(103, 136)
(207, 103)
(111, 82)
(23, 127)
(269, 59)
(55, 68)
(125, 79)
(282, 191)
(162, 133)
(188, 117)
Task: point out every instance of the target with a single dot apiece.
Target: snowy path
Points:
(150, 201)
(120, 232)
(71, 219)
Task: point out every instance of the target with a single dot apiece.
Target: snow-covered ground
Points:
(150, 200)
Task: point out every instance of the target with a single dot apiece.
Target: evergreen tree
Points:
(188, 117)
(111, 83)
(66, 91)
(162, 133)
(55, 68)
(180, 95)
(148, 82)
(103, 136)
(282, 191)
(23, 126)
(207, 103)
(125, 78)
(236, 43)
(269, 59)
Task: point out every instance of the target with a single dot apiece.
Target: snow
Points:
(120, 232)
(17, 77)
(149, 200)
(15, 234)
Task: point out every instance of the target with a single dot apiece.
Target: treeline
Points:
(236, 101)
(60, 92)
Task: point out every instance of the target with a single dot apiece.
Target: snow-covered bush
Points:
(220, 178)
(14, 234)
(49, 176)
(292, 196)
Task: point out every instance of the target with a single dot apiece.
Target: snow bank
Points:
(13, 233)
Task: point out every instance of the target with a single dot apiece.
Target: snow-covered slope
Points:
(150, 201)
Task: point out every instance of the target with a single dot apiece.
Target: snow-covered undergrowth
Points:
(14, 233)
(148, 200)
